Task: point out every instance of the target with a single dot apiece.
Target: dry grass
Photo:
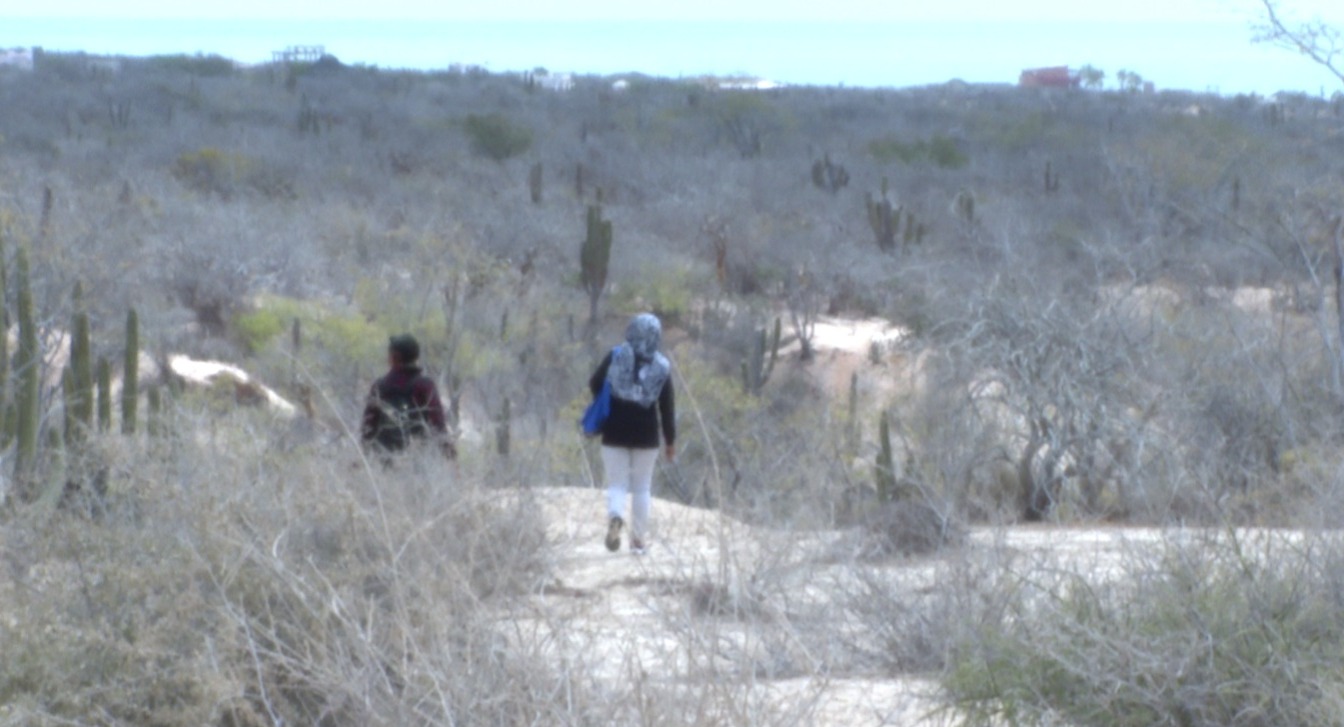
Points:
(241, 586)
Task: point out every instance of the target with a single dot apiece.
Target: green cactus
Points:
(965, 204)
(4, 339)
(69, 417)
(884, 219)
(885, 473)
(310, 121)
(892, 222)
(534, 182)
(79, 400)
(595, 257)
(503, 431)
(828, 175)
(130, 373)
(1051, 179)
(27, 370)
(760, 362)
(852, 417)
(154, 402)
(104, 395)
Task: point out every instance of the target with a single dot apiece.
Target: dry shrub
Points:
(234, 585)
(902, 621)
(908, 527)
(1243, 629)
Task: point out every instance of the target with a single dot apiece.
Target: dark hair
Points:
(404, 347)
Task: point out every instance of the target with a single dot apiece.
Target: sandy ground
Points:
(664, 616)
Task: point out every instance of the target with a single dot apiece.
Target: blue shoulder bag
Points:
(595, 416)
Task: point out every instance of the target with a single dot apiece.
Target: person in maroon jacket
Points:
(404, 405)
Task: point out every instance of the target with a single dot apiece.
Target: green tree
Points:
(494, 136)
(1091, 76)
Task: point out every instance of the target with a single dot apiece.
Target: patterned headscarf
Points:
(638, 371)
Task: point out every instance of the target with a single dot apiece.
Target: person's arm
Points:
(667, 411)
(427, 398)
(368, 428)
(600, 376)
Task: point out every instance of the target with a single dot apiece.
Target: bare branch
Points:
(1322, 43)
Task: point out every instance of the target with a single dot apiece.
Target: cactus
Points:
(884, 219)
(760, 362)
(4, 340)
(890, 222)
(44, 225)
(885, 473)
(310, 121)
(1274, 114)
(79, 400)
(852, 417)
(595, 256)
(1051, 179)
(828, 175)
(153, 419)
(70, 415)
(965, 204)
(503, 434)
(27, 364)
(130, 373)
(104, 396)
(534, 178)
(119, 113)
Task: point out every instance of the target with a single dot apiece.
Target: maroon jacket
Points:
(424, 397)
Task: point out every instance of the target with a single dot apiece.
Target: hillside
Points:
(905, 324)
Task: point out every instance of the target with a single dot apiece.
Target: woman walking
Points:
(641, 401)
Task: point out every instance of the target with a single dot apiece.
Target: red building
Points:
(1053, 77)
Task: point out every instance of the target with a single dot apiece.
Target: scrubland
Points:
(997, 406)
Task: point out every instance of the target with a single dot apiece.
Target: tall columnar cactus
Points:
(595, 257)
(27, 371)
(79, 399)
(503, 430)
(852, 417)
(884, 219)
(534, 180)
(130, 373)
(4, 338)
(1051, 179)
(885, 473)
(153, 420)
(892, 222)
(965, 204)
(104, 395)
(760, 362)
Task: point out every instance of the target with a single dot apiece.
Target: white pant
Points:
(630, 472)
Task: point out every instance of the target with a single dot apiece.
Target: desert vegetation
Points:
(998, 405)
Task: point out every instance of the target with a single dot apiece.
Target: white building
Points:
(20, 58)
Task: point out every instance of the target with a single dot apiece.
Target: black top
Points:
(631, 425)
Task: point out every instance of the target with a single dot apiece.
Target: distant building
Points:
(740, 84)
(557, 81)
(298, 54)
(1052, 77)
(20, 58)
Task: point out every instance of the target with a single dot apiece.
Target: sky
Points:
(1191, 44)
(534, 10)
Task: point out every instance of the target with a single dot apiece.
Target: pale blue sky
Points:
(1191, 44)
(835, 10)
